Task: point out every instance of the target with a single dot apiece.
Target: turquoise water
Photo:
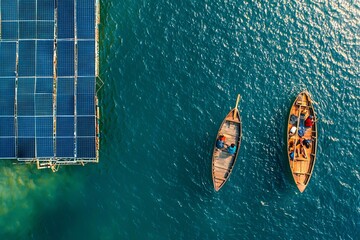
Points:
(172, 70)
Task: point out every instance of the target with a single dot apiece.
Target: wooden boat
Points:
(222, 161)
(301, 157)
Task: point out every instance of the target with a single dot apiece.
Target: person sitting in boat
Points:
(307, 143)
(220, 142)
(301, 131)
(292, 155)
(309, 122)
(292, 150)
(292, 131)
(302, 149)
(232, 149)
(293, 119)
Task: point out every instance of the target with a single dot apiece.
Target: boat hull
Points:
(222, 161)
(302, 157)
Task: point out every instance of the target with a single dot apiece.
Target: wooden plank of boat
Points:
(222, 161)
(303, 162)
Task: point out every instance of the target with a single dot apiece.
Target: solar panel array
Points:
(47, 79)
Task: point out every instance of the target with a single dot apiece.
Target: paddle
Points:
(236, 106)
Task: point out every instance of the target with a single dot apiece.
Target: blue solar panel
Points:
(9, 30)
(43, 104)
(27, 9)
(86, 58)
(27, 30)
(65, 105)
(85, 104)
(7, 149)
(26, 147)
(85, 126)
(25, 103)
(9, 10)
(26, 86)
(86, 147)
(44, 58)
(45, 30)
(65, 126)
(45, 147)
(29, 24)
(7, 59)
(65, 55)
(86, 85)
(65, 147)
(26, 126)
(44, 85)
(45, 9)
(66, 19)
(65, 86)
(85, 19)
(26, 58)
(44, 127)
(7, 96)
(7, 128)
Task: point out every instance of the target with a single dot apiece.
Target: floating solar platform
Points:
(48, 68)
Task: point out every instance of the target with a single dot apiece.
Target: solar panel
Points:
(43, 104)
(44, 127)
(7, 148)
(26, 85)
(45, 147)
(9, 10)
(85, 126)
(65, 86)
(27, 9)
(65, 96)
(45, 9)
(65, 127)
(44, 85)
(29, 83)
(44, 58)
(85, 104)
(9, 30)
(45, 30)
(66, 19)
(65, 56)
(26, 147)
(25, 97)
(65, 147)
(7, 59)
(86, 58)
(86, 147)
(86, 85)
(26, 126)
(7, 96)
(85, 19)
(25, 103)
(27, 30)
(26, 58)
(65, 105)
(7, 128)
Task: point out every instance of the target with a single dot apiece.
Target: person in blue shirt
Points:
(232, 149)
(307, 143)
(220, 142)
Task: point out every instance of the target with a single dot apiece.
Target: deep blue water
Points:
(172, 71)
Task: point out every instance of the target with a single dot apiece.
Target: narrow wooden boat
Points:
(301, 156)
(222, 161)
